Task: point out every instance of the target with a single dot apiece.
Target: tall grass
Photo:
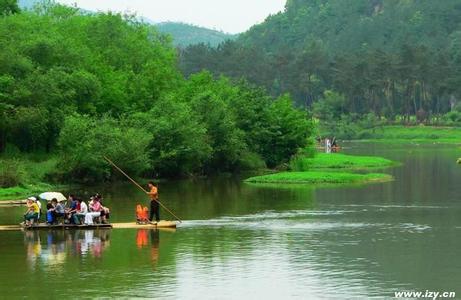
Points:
(338, 161)
(300, 163)
(11, 173)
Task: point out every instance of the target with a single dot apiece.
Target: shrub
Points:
(299, 163)
(453, 117)
(251, 161)
(11, 173)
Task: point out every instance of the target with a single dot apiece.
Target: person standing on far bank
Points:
(154, 205)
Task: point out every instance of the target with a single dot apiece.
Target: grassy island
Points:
(316, 177)
(328, 169)
(339, 161)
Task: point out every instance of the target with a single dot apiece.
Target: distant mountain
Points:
(391, 57)
(185, 34)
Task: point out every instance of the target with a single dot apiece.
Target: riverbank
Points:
(26, 175)
(413, 134)
(22, 192)
(323, 168)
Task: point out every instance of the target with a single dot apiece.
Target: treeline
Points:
(393, 58)
(81, 86)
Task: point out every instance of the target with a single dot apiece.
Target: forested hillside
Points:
(80, 86)
(185, 34)
(390, 57)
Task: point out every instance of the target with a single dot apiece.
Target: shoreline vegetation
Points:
(23, 191)
(416, 134)
(401, 134)
(24, 175)
(332, 168)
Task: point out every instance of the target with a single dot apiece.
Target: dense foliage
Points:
(392, 58)
(87, 85)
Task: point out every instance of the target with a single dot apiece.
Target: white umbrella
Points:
(51, 195)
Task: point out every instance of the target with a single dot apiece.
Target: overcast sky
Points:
(233, 16)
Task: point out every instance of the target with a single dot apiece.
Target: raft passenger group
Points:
(76, 211)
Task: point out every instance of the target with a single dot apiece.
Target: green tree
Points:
(178, 143)
(84, 141)
(8, 7)
(290, 131)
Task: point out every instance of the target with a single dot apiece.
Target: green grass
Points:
(418, 134)
(22, 192)
(29, 174)
(339, 161)
(328, 169)
(317, 177)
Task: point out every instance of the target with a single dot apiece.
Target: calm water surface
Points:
(246, 242)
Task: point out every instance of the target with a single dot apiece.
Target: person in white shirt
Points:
(81, 213)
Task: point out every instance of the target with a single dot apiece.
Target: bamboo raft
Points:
(6, 203)
(132, 225)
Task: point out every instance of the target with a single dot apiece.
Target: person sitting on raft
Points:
(32, 212)
(82, 210)
(71, 208)
(58, 210)
(49, 214)
(39, 204)
(96, 206)
(106, 210)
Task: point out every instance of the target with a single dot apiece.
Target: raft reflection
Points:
(142, 241)
(53, 247)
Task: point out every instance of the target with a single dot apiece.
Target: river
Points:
(245, 242)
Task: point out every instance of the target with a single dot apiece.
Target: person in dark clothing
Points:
(154, 205)
(71, 209)
(49, 214)
(58, 210)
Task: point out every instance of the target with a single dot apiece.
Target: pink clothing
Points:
(97, 207)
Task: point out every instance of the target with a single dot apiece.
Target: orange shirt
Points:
(153, 193)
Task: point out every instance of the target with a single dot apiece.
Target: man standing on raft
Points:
(154, 205)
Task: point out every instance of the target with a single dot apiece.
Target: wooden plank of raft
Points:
(161, 224)
(66, 226)
(132, 225)
(13, 202)
(9, 227)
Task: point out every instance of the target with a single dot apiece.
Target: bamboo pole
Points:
(140, 187)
